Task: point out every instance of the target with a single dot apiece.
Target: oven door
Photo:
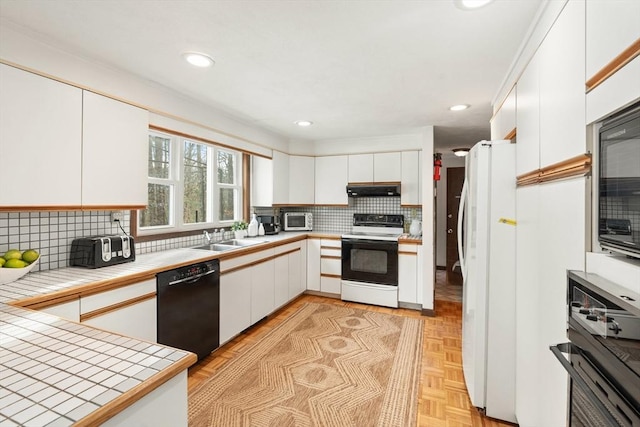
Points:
(370, 261)
(593, 400)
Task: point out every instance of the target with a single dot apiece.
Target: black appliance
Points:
(188, 306)
(619, 183)
(102, 251)
(373, 190)
(270, 223)
(370, 259)
(604, 352)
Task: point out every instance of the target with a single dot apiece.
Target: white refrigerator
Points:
(486, 246)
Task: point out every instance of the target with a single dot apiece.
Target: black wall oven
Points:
(370, 261)
(604, 352)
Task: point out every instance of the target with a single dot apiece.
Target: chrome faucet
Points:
(215, 236)
(207, 236)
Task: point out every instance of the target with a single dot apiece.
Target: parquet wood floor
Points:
(443, 400)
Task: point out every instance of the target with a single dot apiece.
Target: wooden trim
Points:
(288, 252)
(410, 206)
(205, 140)
(331, 276)
(44, 208)
(108, 309)
(511, 135)
(495, 113)
(441, 267)
(251, 264)
(330, 247)
(126, 399)
(326, 236)
(613, 66)
(407, 253)
(49, 303)
(246, 186)
(575, 166)
(129, 280)
(330, 257)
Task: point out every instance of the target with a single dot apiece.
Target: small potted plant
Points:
(239, 229)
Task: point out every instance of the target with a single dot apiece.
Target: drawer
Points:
(108, 298)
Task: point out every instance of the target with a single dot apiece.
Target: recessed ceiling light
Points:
(198, 59)
(303, 123)
(471, 4)
(459, 107)
(460, 152)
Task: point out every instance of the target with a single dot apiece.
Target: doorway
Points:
(455, 180)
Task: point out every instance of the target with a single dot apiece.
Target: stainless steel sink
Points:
(240, 242)
(227, 245)
(216, 247)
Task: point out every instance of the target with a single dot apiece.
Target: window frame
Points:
(177, 227)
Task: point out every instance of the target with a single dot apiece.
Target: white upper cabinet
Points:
(612, 26)
(270, 180)
(280, 178)
(504, 121)
(360, 168)
(411, 178)
(331, 180)
(301, 180)
(528, 118)
(40, 140)
(114, 152)
(387, 167)
(562, 90)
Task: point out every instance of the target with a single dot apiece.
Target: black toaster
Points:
(102, 251)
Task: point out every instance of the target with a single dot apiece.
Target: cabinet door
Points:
(562, 91)
(301, 180)
(137, 320)
(612, 26)
(410, 191)
(69, 310)
(40, 140)
(114, 152)
(262, 290)
(504, 121)
(235, 303)
(331, 180)
(129, 310)
(360, 168)
(280, 178)
(313, 264)
(387, 167)
(296, 284)
(407, 273)
(261, 181)
(528, 119)
(281, 267)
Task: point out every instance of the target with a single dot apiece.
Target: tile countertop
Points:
(55, 372)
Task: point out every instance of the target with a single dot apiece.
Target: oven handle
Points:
(390, 244)
(569, 348)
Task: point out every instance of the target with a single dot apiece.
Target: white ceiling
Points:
(355, 68)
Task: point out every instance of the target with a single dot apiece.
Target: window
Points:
(192, 185)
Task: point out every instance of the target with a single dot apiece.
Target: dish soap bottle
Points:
(253, 226)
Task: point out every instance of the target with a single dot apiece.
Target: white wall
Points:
(448, 161)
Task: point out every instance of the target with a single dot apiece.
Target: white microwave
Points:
(298, 221)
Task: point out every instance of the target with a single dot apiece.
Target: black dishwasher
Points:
(189, 308)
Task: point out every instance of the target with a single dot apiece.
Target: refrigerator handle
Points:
(463, 200)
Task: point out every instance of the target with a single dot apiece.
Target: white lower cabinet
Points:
(262, 290)
(281, 268)
(69, 310)
(408, 273)
(296, 282)
(129, 310)
(313, 264)
(330, 266)
(235, 303)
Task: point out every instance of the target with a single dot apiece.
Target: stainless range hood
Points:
(373, 190)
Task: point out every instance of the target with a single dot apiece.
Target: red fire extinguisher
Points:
(437, 164)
